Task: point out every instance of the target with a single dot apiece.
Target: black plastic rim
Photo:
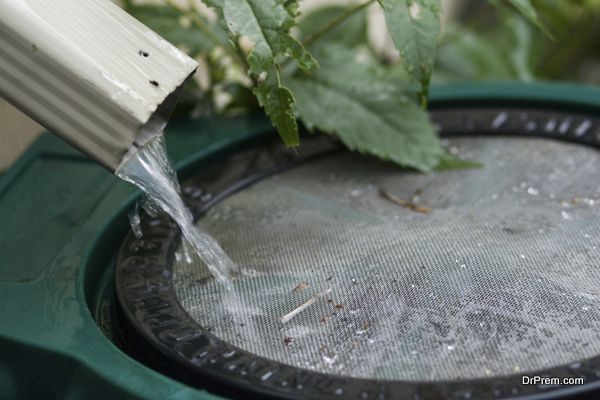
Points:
(149, 303)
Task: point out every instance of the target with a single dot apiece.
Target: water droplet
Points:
(550, 125)
(575, 365)
(206, 197)
(329, 360)
(564, 126)
(530, 126)
(499, 120)
(196, 193)
(532, 191)
(450, 347)
(267, 375)
(134, 220)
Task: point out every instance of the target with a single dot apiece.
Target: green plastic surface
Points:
(62, 219)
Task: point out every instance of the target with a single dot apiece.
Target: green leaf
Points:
(352, 32)
(500, 54)
(414, 26)
(526, 8)
(278, 103)
(523, 45)
(470, 56)
(266, 23)
(366, 108)
(168, 22)
(449, 162)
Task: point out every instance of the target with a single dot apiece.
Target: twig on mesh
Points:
(304, 306)
(404, 203)
(301, 286)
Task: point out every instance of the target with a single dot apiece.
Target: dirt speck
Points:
(404, 203)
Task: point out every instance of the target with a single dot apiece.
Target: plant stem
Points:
(423, 96)
(335, 22)
(304, 306)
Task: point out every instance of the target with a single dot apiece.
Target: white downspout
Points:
(90, 73)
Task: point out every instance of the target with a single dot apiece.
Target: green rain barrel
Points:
(472, 283)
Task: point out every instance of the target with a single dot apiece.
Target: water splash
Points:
(150, 170)
(134, 221)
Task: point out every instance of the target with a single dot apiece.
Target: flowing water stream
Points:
(150, 170)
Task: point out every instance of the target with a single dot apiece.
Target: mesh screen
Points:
(495, 274)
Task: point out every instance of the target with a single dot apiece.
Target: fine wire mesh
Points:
(499, 278)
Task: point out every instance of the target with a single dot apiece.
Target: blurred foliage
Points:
(324, 69)
(488, 42)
